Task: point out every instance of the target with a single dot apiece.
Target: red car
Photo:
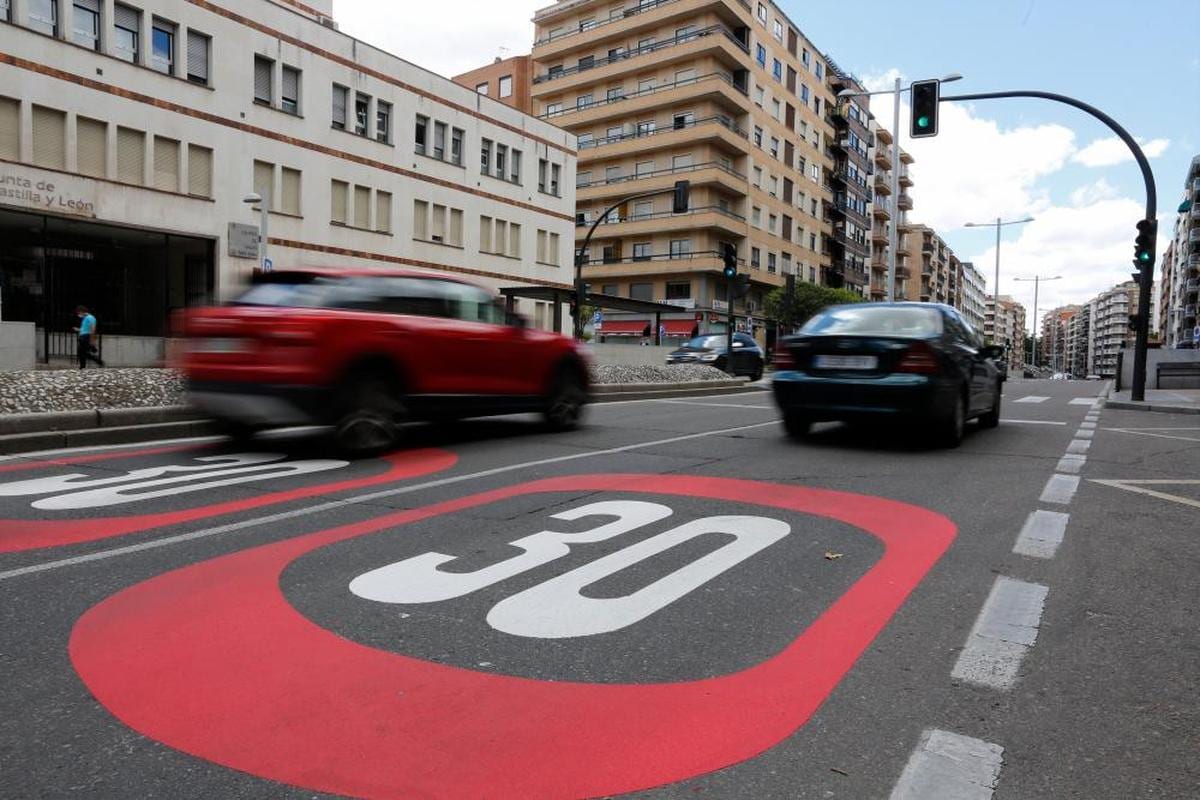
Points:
(364, 351)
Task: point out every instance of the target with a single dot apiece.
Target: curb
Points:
(15, 444)
(1130, 405)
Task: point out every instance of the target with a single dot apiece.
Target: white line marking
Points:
(711, 405)
(1079, 446)
(366, 498)
(1088, 426)
(1042, 534)
(1032, 422)
(1084, 434)
(1071, 464)
(1060, 489)
(1033, 398)
(1136, 486)
(1083, 401)
(735, 393)
(1146, 432)
(948, 766)
(1005, 630)
(107, 447)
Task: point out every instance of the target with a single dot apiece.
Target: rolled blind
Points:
(10, 128)
(340, 94)
(456, 227)
(264, 182)
(339, 198)
(166, 164)
(263, 68)
(290, 191)
(485, 234)
(383, 212)
(439, 223)
(199, 171)
(514, 240)
(126, 17)
(91, 150)
(197, 56)
(290, 84)
(420, 219)
(49, 138)
(362, 207)
(131, 155)
(89, 5)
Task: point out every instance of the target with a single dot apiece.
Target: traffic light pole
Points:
(729, 328)
(1147, 270)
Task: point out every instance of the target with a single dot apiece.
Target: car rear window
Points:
(865, 320)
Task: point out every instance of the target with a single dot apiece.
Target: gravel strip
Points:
(84, 390)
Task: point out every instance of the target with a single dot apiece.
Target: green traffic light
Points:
(922, 122)
(1143, 256)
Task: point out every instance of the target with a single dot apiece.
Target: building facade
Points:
(889, 211)
(935, 268)
(1179, 287)
(1109, 332)
(131, 134)
(508, 80)
(972, 295)
(1010, 331)
(1077, 338)
(726, 94)
(1055, 337)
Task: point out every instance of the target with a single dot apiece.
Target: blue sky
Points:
(1139, 61)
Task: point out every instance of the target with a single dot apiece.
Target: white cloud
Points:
(1111, 151)
(435, 36)
(1092, 192)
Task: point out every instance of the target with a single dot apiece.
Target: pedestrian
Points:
(86, 330)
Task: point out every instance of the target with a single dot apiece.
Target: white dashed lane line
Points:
(1033, 398)
(1060, 489)
(1042, 534)
(948, 766)
(1079, 447)
(1071, 464)
(1006, 629)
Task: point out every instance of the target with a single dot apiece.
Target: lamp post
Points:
(893, 232)
(1037, 282)
(998, 224)
(264, 263)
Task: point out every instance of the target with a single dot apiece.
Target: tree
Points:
(792, 311)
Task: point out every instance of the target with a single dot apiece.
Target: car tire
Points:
(372, 409)
(952, 426)
(565, 402)
(992, 418)
(796, 424)
(757, 374)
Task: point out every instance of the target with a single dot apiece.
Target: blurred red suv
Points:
(364, 351)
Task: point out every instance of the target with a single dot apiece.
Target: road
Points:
(673, 602)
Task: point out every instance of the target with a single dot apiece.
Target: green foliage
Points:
(791, 312)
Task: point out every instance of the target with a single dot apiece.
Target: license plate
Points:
(846, 362)
(220, 346)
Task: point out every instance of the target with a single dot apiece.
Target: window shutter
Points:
(131, 156)
(263, 68)
(91, 147)
(383, 212)
(290, 84)
(514, 240)
(199, 171)
(362, 207)
(264, 182)
(197, 57)
(456, 227)
(339, 199)
(49, 138)
(10, 128)
(126, 17)
(420, 219)
(340, 94)
(166, 164)
(485, 234)
(439, 223)
(89, 5)
(290, 191)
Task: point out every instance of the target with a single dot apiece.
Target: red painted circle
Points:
(212, 660)
(19, 534)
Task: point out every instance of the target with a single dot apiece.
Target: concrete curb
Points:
(1130, 405)
(14, 444)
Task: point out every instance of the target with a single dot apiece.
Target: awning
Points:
(679, 327)
(625, 327)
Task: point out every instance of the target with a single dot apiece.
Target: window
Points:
(553, 247)
(771, 262)
(43, 16)
(131, 156)
(646, 85)
(439, 141)
(805, 57)
(457, 137)
(362, 113)
(485, 234)
(778, 30)
(543, 171)
(641, 291)
(127, 22)
(760, 55)
(772, 223)
(485, 156)
(759, 95)
(758, 177)
(339, 202)
(383, 122)
(555, 176)
(682, 121)
(541, 246)
(774, 147)
(501, 236)
(774, 190)
(289, 90)
(198, 46)
(819, 68)
(200, 171)
(682, 162)
(421, 137)
(91, 146)
(762, 13)
(162, 40)
(681, 248)
(482, 88)
(758, 136)
(777, 69)
(264, 182)
(587, 62)
(582, 179)
(49, 138)
(514, 166)
(420, 220)
(362, 207)
(383, 212)
(804, 94)
(643, 210)
(553, 109)
(679, 291)
(456, 228)
(514, 241)
(341, 99)
(584, 100)
(755, 258)
(264, 69)
(86, 24)
(641, 252)
(645, 128)
(506, 86)
(501, 160)
(643, 168)
(615, 93)
(166, 164)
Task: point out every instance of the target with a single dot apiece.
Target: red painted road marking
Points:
(212, 660)
(18, 534)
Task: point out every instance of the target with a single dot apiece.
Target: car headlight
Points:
(710, 357)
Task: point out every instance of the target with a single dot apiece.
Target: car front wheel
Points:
(992, 418)
(565, 403)
(370, 417)
(951, 427)
(796, 424)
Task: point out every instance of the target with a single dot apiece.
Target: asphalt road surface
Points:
(673, 602)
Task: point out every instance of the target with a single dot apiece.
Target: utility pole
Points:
(998, 224)
(1037, 282)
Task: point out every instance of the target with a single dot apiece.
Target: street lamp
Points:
(998, 224)
(893, 232)
(1037, 282)
(255, 199)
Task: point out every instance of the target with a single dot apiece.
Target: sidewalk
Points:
(1171, 401)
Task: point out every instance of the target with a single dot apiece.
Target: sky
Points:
(1012, 158)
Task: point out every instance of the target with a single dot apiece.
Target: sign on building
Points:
(243, 240)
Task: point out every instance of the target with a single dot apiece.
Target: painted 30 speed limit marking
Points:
(213, 660)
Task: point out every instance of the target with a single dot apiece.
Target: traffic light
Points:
(925, 98)
(680, 203)
(741, 286)
(1143, 253)
(730, 257)
(580, 296)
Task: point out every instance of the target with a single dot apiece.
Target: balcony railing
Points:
(689, 256)
(666, 87)
(659, 172)
(613, 219)
(905, 202)
(682, 38)
(623, 137)
(642, 7)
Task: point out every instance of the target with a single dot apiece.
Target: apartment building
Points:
(1052, 347)
(1010, 330)
(855, 209)
(1179, 286)
(1077, 338)
(132, 132)
(726, 94)
(508, 80)
(972, 295)
(888, 211)
(1109, 331)
(937, 280)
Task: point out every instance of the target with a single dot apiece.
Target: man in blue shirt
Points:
(86, 330)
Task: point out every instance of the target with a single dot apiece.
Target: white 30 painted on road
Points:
(557, 607)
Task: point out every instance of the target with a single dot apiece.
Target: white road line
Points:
(1147, 432)
(1088, 426)
(1084, 434)
(712, 405)
(1005, 630)
(740, 393)
(1042, 534)
(107, 447)
(1060, 489)
(1083, 401)
(1079, 446)
(1033, 398)
(1032, 422)
(1071, 464)
(1133, 486)
(360, 499)
(949, 766)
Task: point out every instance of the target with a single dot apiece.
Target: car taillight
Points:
(783, 359)
(918, 358)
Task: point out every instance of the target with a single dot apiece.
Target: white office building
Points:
(132, 133)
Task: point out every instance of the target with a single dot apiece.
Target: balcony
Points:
(714, 129)
(1195, 212)
(879, 233)
(906, 180)
(878, 292)
(929, 246)
(1194, 235)
(1191, 288)
(657, 263)
(1196, 187)
(905, 202)
(857, 246)
(882, 208)
(706, 217)
(902, 271)
(883, 157)
(718, 86)
(883, 182)
(711, 173)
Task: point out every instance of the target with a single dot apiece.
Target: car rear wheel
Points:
(952, 426)
(371, 416)
(992, 418)
(796, 424)
(565, 403)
